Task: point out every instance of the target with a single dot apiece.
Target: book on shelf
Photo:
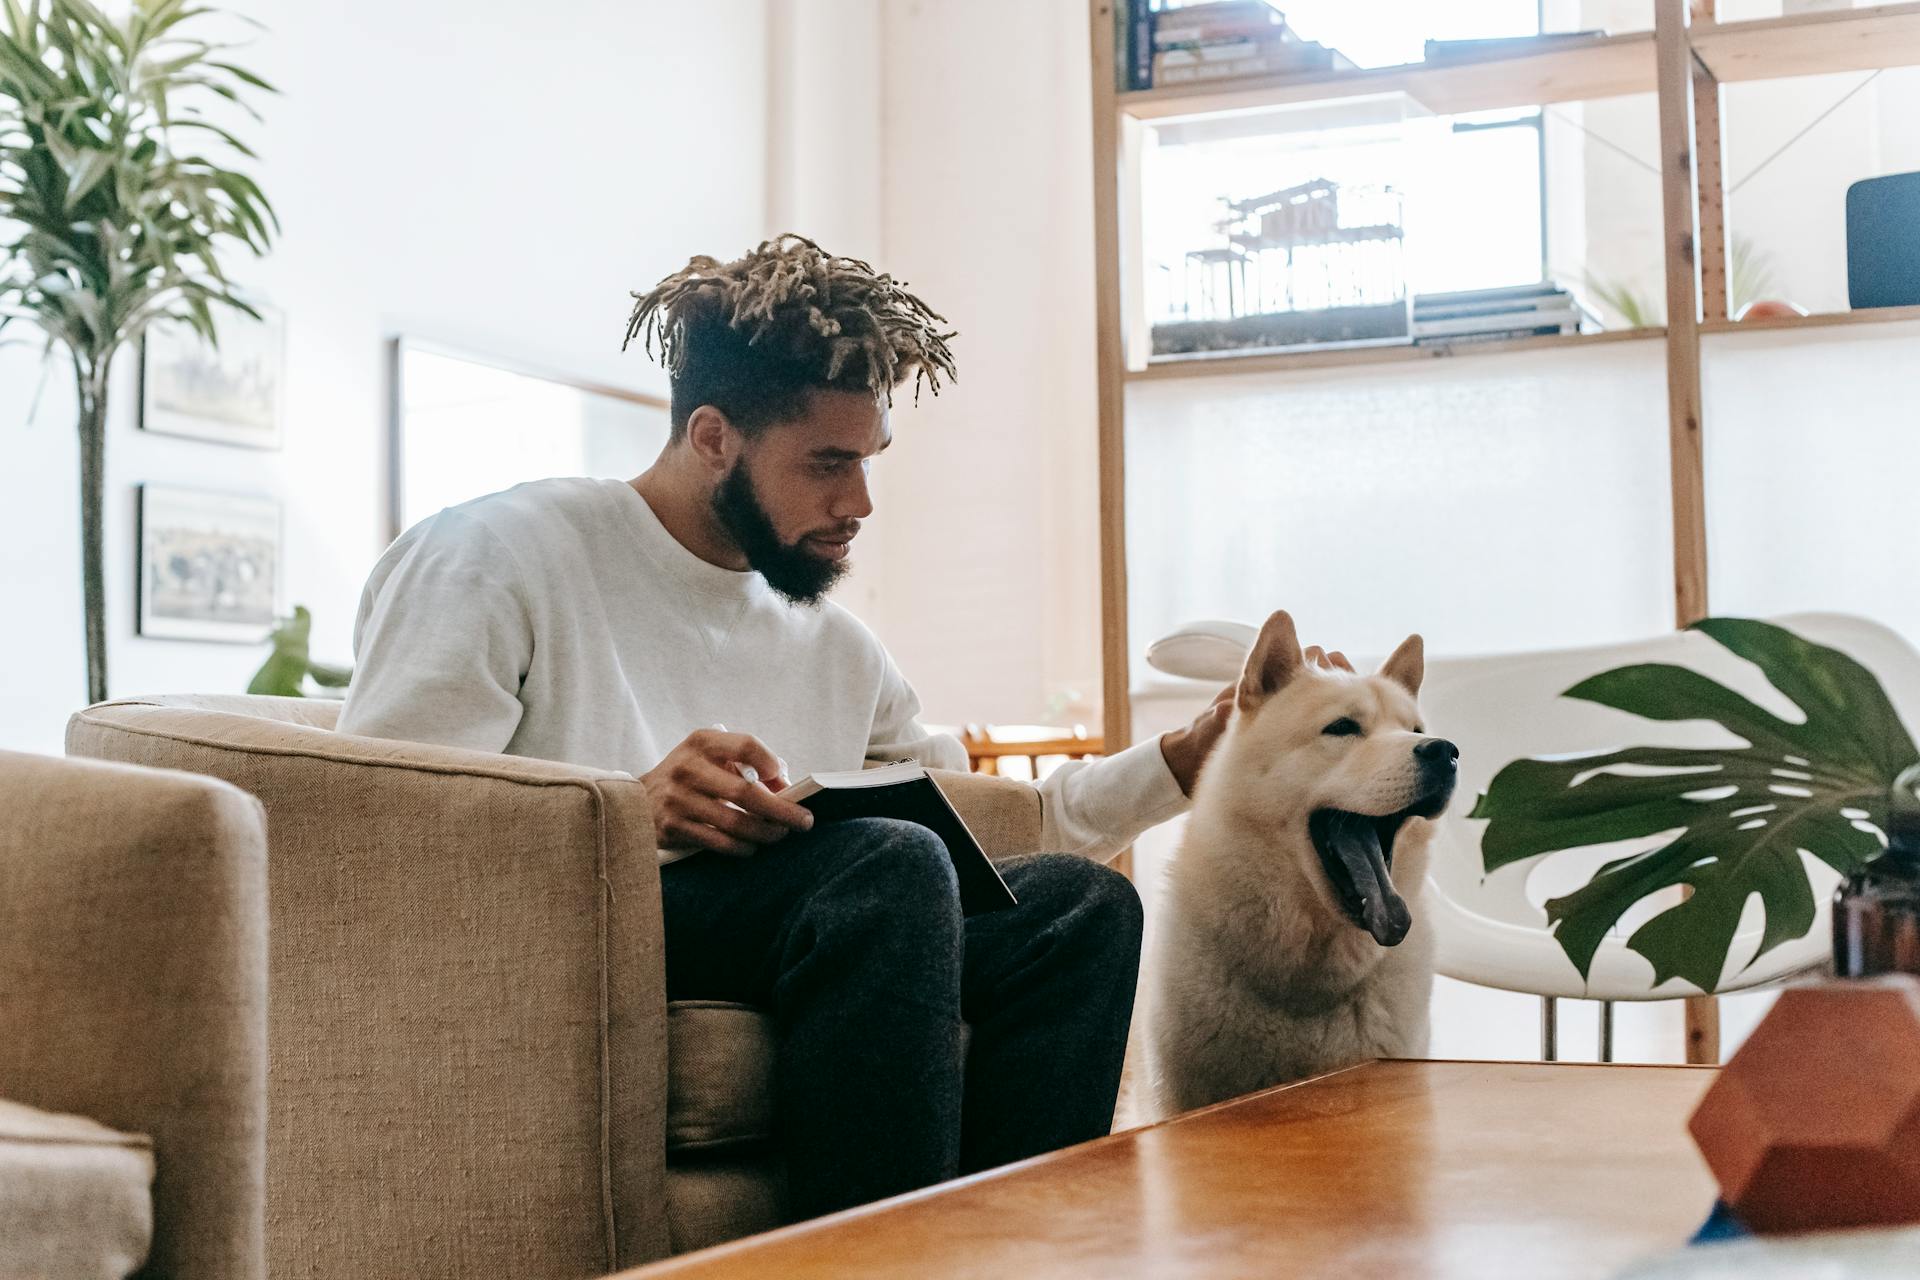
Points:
(1167, 35)
(1292, 59)
(1492, 314)
(1218, 18)
(1511, 324)
(1148, 29)
(1138, 35)
(1224, 50)
(905, 790)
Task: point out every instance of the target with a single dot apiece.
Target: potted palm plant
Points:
(116, 204)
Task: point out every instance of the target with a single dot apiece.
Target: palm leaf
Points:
(1734, 821)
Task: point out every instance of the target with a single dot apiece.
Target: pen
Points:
(747, 771)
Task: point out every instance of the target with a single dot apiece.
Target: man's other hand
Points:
(702, 800)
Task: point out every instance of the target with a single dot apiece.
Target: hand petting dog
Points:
(1187, 749)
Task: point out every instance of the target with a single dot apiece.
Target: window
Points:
(1317, 222)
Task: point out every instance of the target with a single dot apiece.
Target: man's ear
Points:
(713, 439)
(1274, 660)
(1408, 665)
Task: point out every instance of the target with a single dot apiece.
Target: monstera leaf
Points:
(1735, 819)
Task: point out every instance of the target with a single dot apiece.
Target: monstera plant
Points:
(116, 205)
(1732, 822)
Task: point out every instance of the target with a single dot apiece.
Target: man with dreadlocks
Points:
(674, 626)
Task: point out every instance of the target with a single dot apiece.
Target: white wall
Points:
(990, 509)
(489, 174)
(824, 160)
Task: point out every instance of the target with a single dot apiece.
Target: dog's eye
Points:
(1344, 727)
(1419, 728)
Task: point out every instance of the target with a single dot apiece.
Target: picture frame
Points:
(208, 564)
(233, 394)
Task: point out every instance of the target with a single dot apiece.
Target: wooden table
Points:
(1402, 1170)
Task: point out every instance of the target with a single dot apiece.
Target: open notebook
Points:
(906, 791)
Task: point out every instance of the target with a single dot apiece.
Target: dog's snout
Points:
(1438, 752)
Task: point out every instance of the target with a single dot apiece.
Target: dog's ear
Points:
(1275, 659)
(1408, 665)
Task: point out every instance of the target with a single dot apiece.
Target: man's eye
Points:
(1344, 727)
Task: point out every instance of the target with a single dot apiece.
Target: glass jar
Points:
(1876, 912)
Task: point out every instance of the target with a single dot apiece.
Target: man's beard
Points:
(789, 568)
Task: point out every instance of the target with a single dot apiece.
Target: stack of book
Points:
(1485, 315)
(1220, 40)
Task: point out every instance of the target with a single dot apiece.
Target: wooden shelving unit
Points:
(1823, 320)
(1810, 44)
(1684, 61)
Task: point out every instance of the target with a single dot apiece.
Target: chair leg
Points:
(1606, 1031)
(1549, 1029)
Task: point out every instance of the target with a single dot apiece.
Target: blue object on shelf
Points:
(1883, 241)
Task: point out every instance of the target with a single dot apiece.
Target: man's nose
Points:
(1439, 753)
(856, 500)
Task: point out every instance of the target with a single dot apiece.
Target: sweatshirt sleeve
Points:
(442, 642)
(1093, 808)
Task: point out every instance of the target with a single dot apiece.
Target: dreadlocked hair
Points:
(752, 337)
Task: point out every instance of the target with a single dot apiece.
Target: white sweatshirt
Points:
(561, 620)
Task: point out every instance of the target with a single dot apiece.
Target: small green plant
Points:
(1750, 277)
(284, 674)
(1732, 821)
(1636, 309)
(110, 217)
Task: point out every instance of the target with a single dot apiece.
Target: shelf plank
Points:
(1811, 44)
(1337, 357)
(1602, 67)
(1820, 320)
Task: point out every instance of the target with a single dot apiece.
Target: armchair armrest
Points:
(133, 985)
(1002, 813)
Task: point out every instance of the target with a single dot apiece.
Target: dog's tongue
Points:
(1356, 843)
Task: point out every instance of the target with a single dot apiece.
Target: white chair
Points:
(1491, 930)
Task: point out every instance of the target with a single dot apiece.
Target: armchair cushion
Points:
(76, 1198)
(719, 1076)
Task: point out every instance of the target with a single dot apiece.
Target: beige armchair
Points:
(133, 992)
(474, 1067)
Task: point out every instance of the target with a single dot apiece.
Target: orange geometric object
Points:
(1815, 1123)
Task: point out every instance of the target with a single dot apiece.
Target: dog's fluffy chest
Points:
(1254, 982)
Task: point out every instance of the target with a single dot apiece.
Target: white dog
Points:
(1289, 941)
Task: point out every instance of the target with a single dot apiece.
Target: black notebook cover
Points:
(921, 800)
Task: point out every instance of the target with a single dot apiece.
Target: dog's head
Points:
(1344, 762)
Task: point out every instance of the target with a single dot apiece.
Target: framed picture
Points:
(467, 425)
(209, 564)
(230, 394)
